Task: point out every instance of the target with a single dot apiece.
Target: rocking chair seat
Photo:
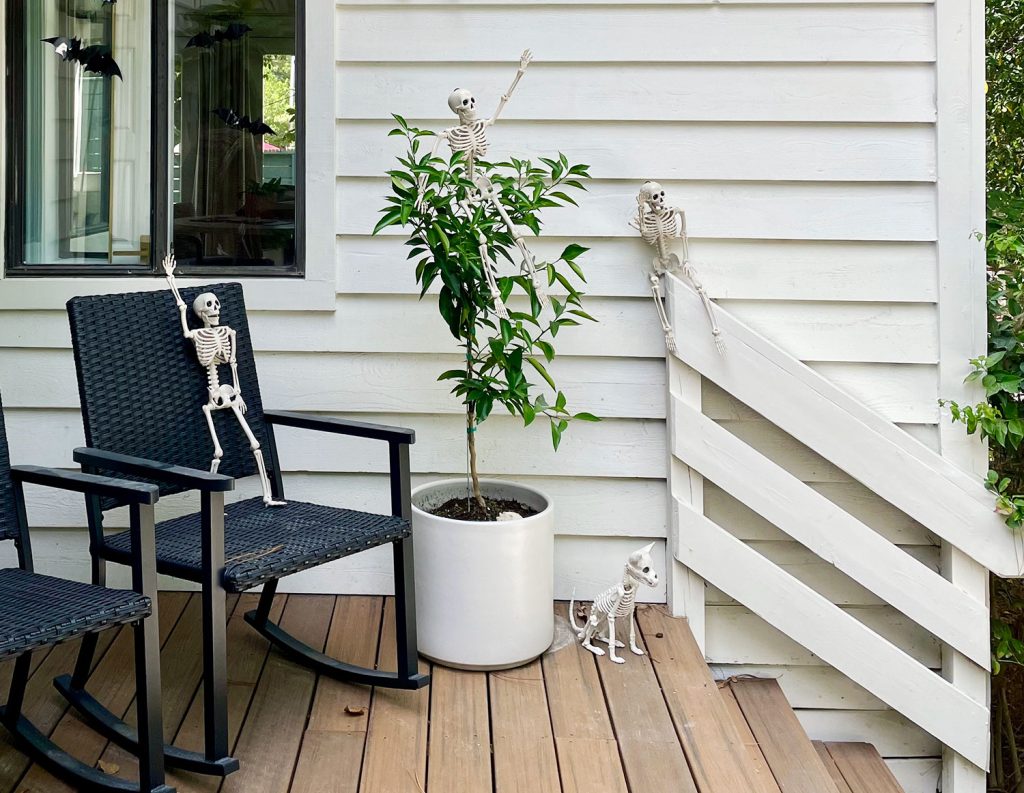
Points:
(39, 611)
(263, 543)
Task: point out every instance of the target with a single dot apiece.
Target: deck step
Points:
(863, 768)
(795, 764)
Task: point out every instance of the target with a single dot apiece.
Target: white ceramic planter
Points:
(484, 590)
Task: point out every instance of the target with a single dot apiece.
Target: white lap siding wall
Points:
(801, 140)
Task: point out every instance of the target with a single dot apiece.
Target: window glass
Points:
(86, 144)
(234, 142)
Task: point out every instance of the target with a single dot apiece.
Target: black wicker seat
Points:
(262, 544)
(39, 611)
(143, 392)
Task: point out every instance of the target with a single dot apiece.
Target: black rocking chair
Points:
(38, 611)
(142, 391)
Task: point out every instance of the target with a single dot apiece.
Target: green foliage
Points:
(505, 358)
(1005, 99)
(278, 102)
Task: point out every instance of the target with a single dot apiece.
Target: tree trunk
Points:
(471, 426)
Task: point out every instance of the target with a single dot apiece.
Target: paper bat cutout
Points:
(233, 32)
(95, 58)
(235, 121)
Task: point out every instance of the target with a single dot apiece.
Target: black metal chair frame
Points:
(216, 759)
(33, 742)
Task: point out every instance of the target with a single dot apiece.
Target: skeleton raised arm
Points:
(169, 267)
(524, 61)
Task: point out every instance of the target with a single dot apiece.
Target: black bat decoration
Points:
(95, 58)
(235, 121)
(233, 32)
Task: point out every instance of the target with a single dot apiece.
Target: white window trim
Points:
(314, 292)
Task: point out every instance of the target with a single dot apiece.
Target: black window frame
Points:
(159, 166)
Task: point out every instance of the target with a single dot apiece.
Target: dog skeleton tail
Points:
(572, 612)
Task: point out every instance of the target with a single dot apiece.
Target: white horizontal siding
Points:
(639, 34)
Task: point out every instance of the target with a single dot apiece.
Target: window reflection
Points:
(86, 132)
(234, 158)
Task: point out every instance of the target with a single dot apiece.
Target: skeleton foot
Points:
(605, 640)
(636, 650)
(616, 658)
(593, 649)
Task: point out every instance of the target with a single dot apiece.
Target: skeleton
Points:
(470, 136)
(659, 224)
(216, 345)
(615, 603)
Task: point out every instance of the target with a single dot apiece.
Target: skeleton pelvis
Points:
(222, 396)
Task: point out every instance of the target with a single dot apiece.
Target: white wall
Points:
(801, 139)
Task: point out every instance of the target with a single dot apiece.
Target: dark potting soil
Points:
(468, 509)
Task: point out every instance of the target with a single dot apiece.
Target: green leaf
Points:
(586, 417)
(572, 252)
(542, 371)
(556, 436)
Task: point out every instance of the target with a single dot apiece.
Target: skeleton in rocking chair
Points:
(216, 345)
(660, 224)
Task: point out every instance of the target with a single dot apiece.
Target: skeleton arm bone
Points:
(421, 181)
(169, 266)
(233, 363)
(524, 61)
(487, 193)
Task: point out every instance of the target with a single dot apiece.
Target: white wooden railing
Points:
(950, 503)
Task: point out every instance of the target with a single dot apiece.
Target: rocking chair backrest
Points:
(142, 388)
(8, 516)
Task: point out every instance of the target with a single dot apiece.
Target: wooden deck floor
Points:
(568, 722)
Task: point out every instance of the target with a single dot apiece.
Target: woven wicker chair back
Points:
(8, 517)
(142, 389)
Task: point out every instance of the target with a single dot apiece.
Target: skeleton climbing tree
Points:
(469, 220)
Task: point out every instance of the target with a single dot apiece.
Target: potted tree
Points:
(484, 547)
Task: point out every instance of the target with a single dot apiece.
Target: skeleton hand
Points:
(238, 400)
(169, 265)
(525, 58)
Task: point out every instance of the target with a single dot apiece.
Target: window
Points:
(104, 176)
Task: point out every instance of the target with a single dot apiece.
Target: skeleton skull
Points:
(463, 103)
(207, 308)
(654, 194)
(641, 564)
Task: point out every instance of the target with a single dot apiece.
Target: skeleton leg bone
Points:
(254, 445)
(217, 451)
(632, 636)
(666, 326)
(604, 639)
(612, 643)
(709, 307)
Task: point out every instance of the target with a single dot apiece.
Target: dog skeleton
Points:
(615, 603)
(215, 345)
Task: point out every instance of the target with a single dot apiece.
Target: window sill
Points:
(262, 294)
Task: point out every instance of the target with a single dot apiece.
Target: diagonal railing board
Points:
(833, 635)
(832, 533)
(903, 471)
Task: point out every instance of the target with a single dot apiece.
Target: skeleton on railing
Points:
(659, 225)
(217, 345)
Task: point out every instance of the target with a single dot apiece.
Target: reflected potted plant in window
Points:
(484, 547)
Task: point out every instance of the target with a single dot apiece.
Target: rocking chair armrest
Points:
(357, 429)
(154, 470)
(75, 481)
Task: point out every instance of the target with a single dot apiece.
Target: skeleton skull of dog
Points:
(641, 566)
(463, 104)
(207, 307)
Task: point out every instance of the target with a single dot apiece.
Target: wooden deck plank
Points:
(247, 653)
(759, 764)
(718, 758)
(831, 767)
(460, 738)
(588, 756)
(181, 670)
(113, 684)
(786, 747)
(272, 733)
(863, 768)
(524, 749)
(331, 755)
(648, 745)
(43, 703)
(395, 759)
